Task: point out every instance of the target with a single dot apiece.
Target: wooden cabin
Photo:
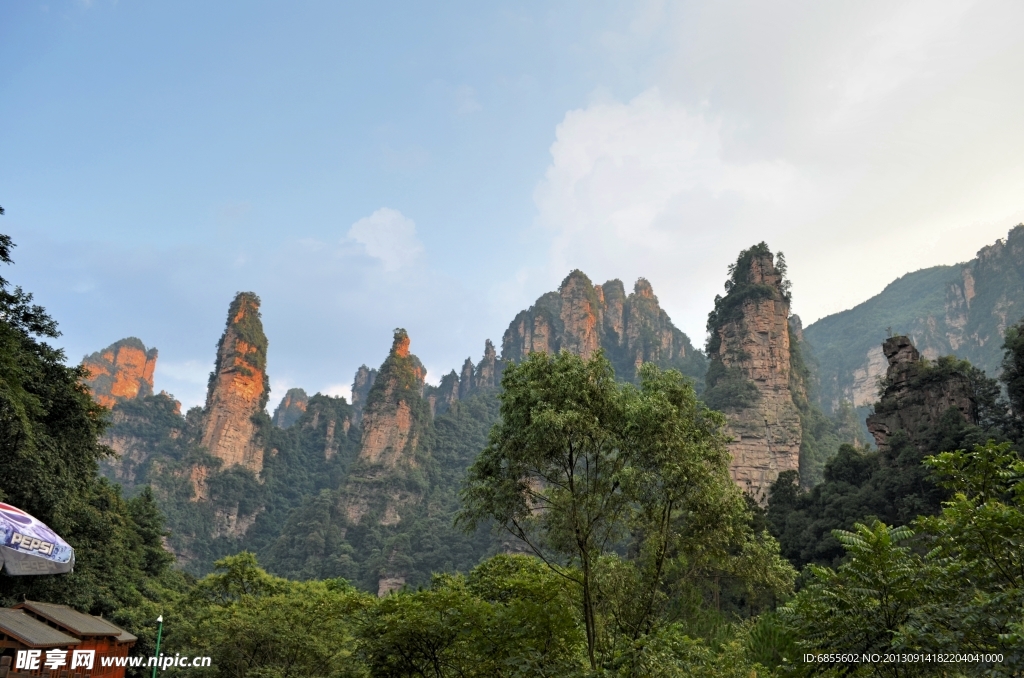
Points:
(44, 626)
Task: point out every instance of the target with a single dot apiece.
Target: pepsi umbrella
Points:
(27, 546)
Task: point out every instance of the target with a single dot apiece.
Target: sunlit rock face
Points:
(238, 389)
(122, 371)
(377, 489)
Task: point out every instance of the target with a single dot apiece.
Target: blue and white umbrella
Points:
(28, 546)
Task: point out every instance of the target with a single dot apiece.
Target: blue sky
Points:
(437, 166)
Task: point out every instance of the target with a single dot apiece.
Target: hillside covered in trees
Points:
(960, 310)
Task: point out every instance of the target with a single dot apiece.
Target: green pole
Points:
(159, 635)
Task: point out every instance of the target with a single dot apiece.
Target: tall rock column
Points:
(377, 489)
(580, 315)
(361, 386)
(750, 376)
(239, 388)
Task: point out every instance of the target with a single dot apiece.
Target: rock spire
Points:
(750, 377)
(361, 385)
(291, 408)
(239, 388)
(916, 395)
(378, 489)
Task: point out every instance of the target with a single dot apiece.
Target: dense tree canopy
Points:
(623, 491)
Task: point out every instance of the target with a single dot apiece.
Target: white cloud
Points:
(339, 390)
(388, 235)
(865, 141)
(645, 188)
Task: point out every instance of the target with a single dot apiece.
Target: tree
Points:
(1012, 374)
(510, 617)
(976, 592)
(49, 453)
(254, 624)
(964, 595)
(551, 472)
(582, 470)
(861, 606)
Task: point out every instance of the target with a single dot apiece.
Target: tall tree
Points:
(551, 473)
(580, 468)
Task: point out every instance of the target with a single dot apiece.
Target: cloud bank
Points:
(864, 141)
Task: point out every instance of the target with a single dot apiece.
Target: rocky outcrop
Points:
(393, 422)
(960, 310)
(238, 388)
(291, 408)
(486, 375)
(361, 385)
(751, 378)
(378, 488)
(122, 371)
(582, 318)
(228, 523)
(916, 395)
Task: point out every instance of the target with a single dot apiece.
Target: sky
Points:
(438, 166)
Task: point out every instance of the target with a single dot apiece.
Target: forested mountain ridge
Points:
(230, 477)
(328, 488)
(960, 310)
(683, 578)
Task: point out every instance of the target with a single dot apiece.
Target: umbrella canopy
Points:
(28, 546)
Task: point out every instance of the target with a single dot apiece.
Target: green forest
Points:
(572, 524)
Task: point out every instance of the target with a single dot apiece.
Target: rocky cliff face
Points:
(751, 378)
(139, 429)
(960, 310)
(445, 395)
(982, 299)
(238, 389)
(916, 395)
(582, 318)
(122, 371)
(291, 408)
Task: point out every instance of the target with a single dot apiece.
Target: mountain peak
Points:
(582, 317)
(121, 371)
